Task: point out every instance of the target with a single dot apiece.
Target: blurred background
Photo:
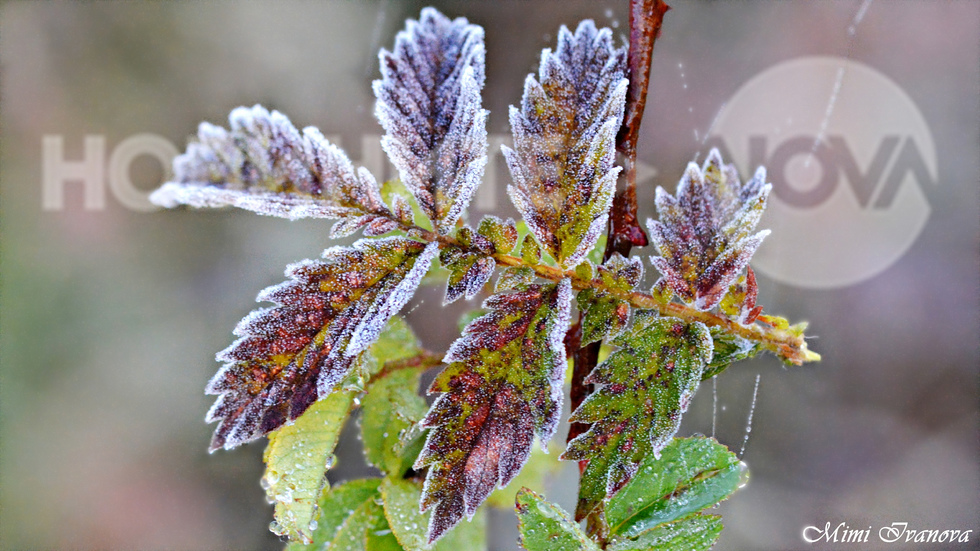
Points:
(111, 312)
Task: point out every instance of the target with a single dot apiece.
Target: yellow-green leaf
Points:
(297, 459)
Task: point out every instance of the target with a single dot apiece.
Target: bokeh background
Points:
(110, 316)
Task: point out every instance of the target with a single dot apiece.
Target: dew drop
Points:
(743, 474)
(314, 525)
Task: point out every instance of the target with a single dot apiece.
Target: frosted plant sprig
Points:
(332, 334)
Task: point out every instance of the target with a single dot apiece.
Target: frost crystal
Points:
(429, 104)
(564, 142)
(503, 385)
(328, 311)
(704, 235)
(263, 164)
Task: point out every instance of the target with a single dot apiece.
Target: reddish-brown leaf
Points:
(297, 351)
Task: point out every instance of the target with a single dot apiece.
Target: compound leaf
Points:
(545, 526)
(704, 235)
(328, 312)
(645, 386)
(430, 107)
(696, 532)
(263, 164)
(691, 474)
(297, 458)
(565, 142)
(502, 386)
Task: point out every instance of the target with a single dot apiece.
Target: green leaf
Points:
(501, 388)
(336, 505)
(502, 234)
(363, 530)
(646, 386)
(401, 505)
(297, 459)
(530, 251)
(515, 277)
(469, 272)
(693, 533)
(397, 341)
(390, 416)
(546, 527)
(692, 474)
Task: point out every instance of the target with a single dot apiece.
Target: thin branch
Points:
(784, 344)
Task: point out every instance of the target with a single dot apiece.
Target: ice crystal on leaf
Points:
(328, 311)
(502, 386)
(565, 142)
(429, 104)
(704, 235)
(645, 387)
(263, 164)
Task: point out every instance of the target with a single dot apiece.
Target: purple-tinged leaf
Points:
(644, 388)
(565, 142)
(263, 164)
(326, 313)
(705, 234)
(468, 272)
(430, 107)
(502, 387)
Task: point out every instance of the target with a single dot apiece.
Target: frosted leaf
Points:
(739, 302)
(604, 314)
(263, 164)
(468, 272)
(643, 389)
(502, 386)
(430, 107)
(705, 234)
(514, 277)
(565, 142)
(327, 312)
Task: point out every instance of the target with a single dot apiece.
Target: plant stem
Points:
(785, 344)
